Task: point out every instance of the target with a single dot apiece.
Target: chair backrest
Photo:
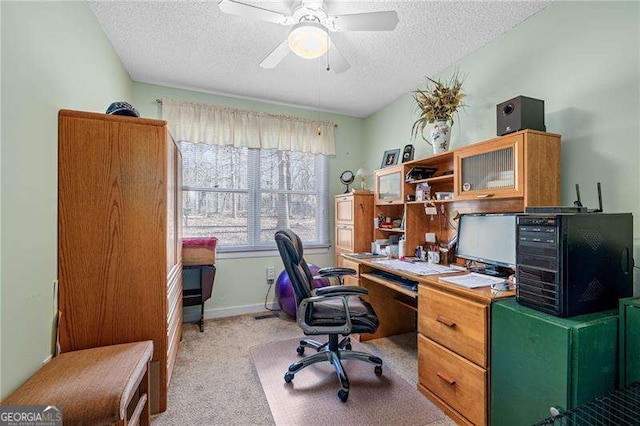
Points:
(290, 248)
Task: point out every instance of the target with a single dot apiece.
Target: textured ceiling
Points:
(193, 45)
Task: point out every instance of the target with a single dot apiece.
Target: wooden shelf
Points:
(408, 305)
(390, 203)
(444, 178)
(390, 229)
(431, 201)
(428, 161)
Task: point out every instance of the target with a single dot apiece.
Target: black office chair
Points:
(333, 310)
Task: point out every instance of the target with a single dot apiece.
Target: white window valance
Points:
(214, 125)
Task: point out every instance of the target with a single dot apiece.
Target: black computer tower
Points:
(574, 264)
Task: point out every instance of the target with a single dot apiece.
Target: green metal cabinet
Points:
(539, 361)
(629, 341)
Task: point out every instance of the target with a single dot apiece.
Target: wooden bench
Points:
(106, 385)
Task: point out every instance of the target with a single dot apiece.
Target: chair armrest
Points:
(340, 290)
(305, 304)
(334, 272)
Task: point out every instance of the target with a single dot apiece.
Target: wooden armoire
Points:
(119, 238)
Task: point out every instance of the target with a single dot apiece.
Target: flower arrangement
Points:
(438, 102)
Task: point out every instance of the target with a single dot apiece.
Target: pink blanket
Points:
(209, 242)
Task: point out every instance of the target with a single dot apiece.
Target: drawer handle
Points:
(446, 378)
(445, 321)
(484, 195)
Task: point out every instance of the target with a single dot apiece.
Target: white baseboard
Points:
(233, 311)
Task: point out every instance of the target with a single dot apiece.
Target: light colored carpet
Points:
(214, 381)
(311, 398)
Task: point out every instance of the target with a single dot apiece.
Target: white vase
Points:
(440, 136)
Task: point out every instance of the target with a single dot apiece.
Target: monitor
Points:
(488, 238)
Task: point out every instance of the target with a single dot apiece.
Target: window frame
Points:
(254, 192)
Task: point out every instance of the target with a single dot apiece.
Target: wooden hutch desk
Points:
(503, 174)
(453, 325)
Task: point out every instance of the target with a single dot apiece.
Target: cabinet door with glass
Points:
(493, 169)
(389, 185)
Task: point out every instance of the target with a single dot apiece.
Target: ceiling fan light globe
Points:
(309, 40)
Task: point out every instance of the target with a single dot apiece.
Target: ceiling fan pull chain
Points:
(328, 50)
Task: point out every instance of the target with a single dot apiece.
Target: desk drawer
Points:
(346, 263)
(174, 291)
(458, 382)
(173, 335)
(344, 237)
(454, 322)
(344, 209)
(350, 279)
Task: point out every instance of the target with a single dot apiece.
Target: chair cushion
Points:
(331, 313)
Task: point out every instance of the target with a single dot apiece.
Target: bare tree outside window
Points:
(243, 196)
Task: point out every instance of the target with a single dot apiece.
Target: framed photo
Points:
(390, 158)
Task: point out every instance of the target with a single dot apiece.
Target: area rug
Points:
(311, 398)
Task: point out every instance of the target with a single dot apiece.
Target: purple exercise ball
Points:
(284, 290)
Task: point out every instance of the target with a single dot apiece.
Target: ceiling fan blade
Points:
(371, 21)
(276, 56)
(337, 62)
(254, 12)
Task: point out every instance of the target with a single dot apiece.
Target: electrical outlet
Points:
(271, 273)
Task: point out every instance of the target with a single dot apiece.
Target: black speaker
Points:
(518, 114)
(407, 153)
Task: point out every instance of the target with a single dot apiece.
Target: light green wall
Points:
(583, 59)
(54, 55)
(241, 282)
(1, 126)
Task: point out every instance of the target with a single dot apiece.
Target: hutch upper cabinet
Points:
(524, 165)
(389, 183)
(493, 170)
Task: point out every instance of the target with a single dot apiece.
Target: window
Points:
(243, 196)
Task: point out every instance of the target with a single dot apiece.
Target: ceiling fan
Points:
(310, 27)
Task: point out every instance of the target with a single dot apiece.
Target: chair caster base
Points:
(378, 370)
(343, 395)
(288, 377)
(300, 350)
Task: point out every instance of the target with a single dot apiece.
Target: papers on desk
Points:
(418, 268)
(472, 280)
